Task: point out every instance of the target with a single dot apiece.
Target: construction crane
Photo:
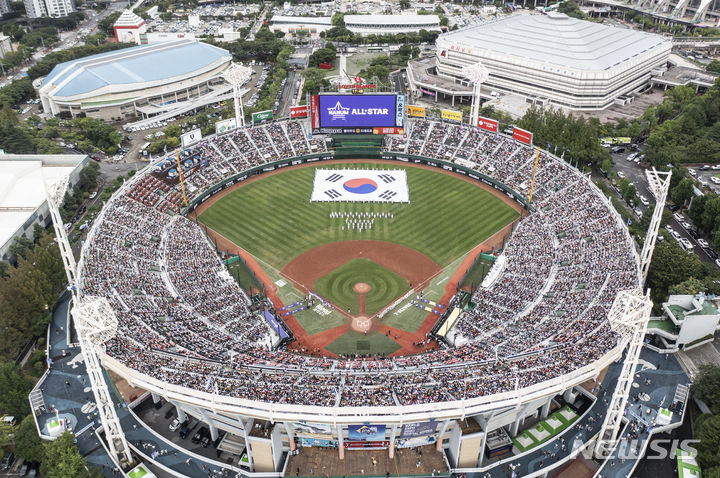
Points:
(96, 323)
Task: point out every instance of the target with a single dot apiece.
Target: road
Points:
(636, 174)
(288, 93)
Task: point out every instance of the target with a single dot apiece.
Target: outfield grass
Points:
(273, 219)
(374, 343)
(385, 286)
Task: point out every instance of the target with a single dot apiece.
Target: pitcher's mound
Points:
(361, 288)
(361, 324)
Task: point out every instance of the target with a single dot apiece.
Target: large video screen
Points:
(363, 113)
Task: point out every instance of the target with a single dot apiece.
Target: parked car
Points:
(685, 242)
(686, 225)
(8, 461)
(679, 217)
(200, 435)
(621, 175)
(692, 172)
(703, 243)
(174, 425)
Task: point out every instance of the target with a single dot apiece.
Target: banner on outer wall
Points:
(416, 111)
(191, 137)
(366, 433)
(412, 430)
(451, 115)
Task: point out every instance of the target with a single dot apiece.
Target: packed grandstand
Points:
(183, 320)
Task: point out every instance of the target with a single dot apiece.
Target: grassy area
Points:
(374, 343)
(274, 220)
(314, 323)
(358, 61)
(385, 286)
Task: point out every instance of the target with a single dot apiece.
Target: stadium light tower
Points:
(629, 318)
(96, 323)
(236, 75)
(659, 184)
(478, 75)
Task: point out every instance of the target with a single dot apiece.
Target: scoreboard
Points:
(357, 114)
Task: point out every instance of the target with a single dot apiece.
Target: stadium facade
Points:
(137, 81)
(391, 24)
(548, 59)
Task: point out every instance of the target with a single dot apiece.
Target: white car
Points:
(174, 425)
(621, 175)
(670, 228)
(644, 201)
(703, 243)
(686, 243)
(717, 262)
(686, 225)
(715, 167)
(692, 172)
(631, 156)
(703, 182)
(679, 217)
(715, 180)
(676, 235)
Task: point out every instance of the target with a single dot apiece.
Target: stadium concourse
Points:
(186, 332)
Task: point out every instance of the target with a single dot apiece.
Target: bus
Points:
(144, 148)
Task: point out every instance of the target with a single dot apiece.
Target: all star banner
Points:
(360, 185)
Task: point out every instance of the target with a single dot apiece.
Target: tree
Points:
(707, 431)
(62, 459)
(690, 286)
(28, 444)
(106, 24)
(404, 4)
(16, 387)
(713, 66)
(706, 387)
(682, 192)
(6, 430)
(670, 265)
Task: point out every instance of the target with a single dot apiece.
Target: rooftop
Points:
(302, 20)
(404, 19)
(23, 181)
(128, 19)
(557, 39)
(140, 64)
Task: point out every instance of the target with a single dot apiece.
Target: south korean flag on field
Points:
(360, 185)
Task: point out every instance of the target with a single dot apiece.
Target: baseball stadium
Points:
(434, 299)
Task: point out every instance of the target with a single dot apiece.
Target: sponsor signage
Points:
(308, 442)
(366, 433)
(416, 111)
(298, 111)
(451, 115)
(366, 444)
(225, 126)
(387, 131)
(315, 112)
(357, 85)
(412, 430)
(522, 135)
(414, 442)
(190, 138)
(488, 124)
(261, 116)
(399, 111)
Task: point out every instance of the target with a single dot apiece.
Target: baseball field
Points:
(306, 243)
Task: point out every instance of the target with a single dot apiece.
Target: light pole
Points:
(477, 74)
(236, 75)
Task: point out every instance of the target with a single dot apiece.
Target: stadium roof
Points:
(140, 64)
(23, 181)
(557, 39)
(404, 19)
(128, 19)
(302, 20)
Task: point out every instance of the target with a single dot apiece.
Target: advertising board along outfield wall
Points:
(522, 135)
(488, 124)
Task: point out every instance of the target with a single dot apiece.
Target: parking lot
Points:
(679, 227)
